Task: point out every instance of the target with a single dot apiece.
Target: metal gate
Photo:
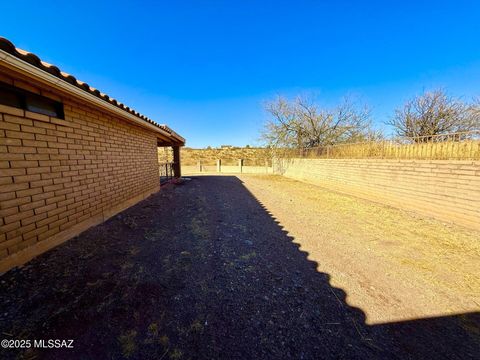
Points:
(166, 172)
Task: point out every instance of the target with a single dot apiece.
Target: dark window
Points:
(9, 98)
(42, 105)
(26, 100)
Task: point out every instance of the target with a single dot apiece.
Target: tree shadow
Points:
(203, 271)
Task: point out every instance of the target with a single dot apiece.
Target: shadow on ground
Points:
(202, 271)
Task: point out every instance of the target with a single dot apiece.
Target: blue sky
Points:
(206, 67)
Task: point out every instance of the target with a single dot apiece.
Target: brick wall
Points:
(445, 189)
(226, 169)
(59, 177)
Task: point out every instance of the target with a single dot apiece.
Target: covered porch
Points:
(168, 150)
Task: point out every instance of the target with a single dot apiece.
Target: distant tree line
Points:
(301, 123)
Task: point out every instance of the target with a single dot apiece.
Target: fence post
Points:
(240, 165)
(199, 164)
(177, 172)
(219, 165)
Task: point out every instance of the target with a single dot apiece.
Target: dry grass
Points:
(394, 264)
(446, 150)
(229, 156)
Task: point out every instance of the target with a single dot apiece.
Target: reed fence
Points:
(453, 146)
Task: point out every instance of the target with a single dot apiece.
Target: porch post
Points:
(176, 162)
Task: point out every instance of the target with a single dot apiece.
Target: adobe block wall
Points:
(226, 169)
(448, 190)
(59, 177)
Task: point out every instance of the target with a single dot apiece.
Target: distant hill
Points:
(228, 154)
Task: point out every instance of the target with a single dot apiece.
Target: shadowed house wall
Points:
(448, 190)
(61, 176)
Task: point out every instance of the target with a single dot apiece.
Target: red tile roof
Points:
(34, 60)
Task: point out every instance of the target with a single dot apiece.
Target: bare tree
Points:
(434, 113)
(474, 110)
(302, 124)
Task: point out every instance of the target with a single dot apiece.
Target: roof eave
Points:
(30, 70)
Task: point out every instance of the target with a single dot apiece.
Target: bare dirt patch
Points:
(205, 271)
(394, 265)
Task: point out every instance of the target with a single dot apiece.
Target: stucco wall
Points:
(444, 189)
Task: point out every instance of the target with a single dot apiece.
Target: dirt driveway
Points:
(251, 267)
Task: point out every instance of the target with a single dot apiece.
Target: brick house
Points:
(70, 156)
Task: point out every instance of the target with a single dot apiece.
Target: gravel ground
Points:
(227, 267)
